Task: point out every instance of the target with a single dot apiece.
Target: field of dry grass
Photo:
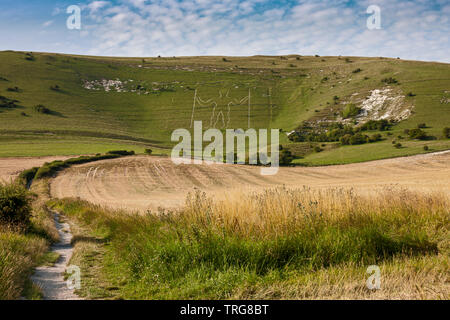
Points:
(142, 182)
(278, 244)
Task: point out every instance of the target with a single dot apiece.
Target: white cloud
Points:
(47, 23)
(96, 5)
(410, 29)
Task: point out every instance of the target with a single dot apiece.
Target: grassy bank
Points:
(273, 244)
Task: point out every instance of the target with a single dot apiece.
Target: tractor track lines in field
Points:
(142, 182)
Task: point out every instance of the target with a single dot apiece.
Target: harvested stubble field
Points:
(142, 182)
(235, 234)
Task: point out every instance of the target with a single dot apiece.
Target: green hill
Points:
(94, 104)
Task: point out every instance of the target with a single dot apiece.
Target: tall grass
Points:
(19, 253)
(26, 229)
(210, 247)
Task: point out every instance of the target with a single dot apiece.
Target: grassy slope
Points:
(87, 121)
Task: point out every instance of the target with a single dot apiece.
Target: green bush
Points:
(29, 57)
(48, 169)
(350, 110)
(345, 139)
(425, 148)
(398, 145)
(121, 152)
(148, 151)
(42, 109)
(27, 176)
(421, 125)
(389, 80)
(417, 134)
(7, 103)
(358, 139)
(286, 157)
(15, 205)
(378, 125)
(446, 132)
(376, 137)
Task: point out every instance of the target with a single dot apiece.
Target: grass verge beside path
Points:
(27, 228)
(23, 247)
(276, 244)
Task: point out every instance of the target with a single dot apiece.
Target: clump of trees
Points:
(286, 156)
(446, 132)
(346, 134)
(389, 80)
(416, 134)
(419, 134)
(377, 125)
(7, 103)
(121, 152)
(29, 56)
(359, 138)
(13, 89)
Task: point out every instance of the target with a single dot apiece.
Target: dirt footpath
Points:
(144, 182)
(51, 278)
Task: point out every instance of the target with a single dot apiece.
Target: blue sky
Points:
(416, 30)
